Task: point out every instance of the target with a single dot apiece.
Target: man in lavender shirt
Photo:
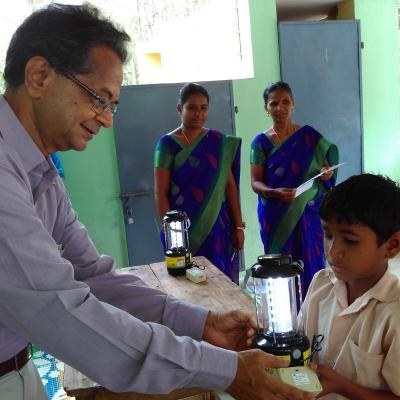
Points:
(63, 76)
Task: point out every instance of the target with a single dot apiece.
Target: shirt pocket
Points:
(368, 367)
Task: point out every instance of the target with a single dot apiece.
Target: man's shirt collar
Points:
(386, 290)
(16, 137)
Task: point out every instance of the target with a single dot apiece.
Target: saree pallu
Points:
(294, 228)
(199, 174)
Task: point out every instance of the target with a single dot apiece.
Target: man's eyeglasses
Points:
(100, 104)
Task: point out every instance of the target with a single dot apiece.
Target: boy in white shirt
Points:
(355, 302)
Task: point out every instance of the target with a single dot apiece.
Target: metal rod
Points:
(136, 194)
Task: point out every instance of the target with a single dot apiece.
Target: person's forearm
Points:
(162, 204)
(147, 304)
(262, 189)
(232, 195)
(162, 181)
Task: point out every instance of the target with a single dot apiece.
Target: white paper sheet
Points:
(308, 184)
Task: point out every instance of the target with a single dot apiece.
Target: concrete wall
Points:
(251, 118)
(380, 65)
(380, 85)
(93, 186)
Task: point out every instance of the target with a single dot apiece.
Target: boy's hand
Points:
(328, 377)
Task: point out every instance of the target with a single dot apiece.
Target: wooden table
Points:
(217, 293)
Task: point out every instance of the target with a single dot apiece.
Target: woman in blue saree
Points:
(282, 158)
(197, 170)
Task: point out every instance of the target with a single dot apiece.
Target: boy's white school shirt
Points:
(362, 340)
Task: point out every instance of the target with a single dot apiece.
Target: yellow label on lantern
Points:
(306, 354)
(175, 262)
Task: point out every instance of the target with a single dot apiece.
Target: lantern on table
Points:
(177, 254)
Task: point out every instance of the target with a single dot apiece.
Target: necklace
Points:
(180, 132)
(278, 137)
(275, 135)
(183, 133)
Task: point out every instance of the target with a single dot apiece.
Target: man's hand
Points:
(253, 382)
(233, 330)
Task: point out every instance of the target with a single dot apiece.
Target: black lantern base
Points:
(293, 347)
(178, 261)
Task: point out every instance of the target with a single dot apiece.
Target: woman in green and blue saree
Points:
(197, 170)
(282, 158)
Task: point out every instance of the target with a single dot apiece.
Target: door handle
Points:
(128, 215)
(128, 211)
(136, 194)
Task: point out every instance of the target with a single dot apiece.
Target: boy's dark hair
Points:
(189, 89)
(367, 199)
(64, 36)
(276, 86)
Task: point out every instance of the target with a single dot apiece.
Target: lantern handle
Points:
(315, 347)
(299, 266)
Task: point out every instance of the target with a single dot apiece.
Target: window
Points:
(172, 40)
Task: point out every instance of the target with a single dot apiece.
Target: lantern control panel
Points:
(303, 378)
